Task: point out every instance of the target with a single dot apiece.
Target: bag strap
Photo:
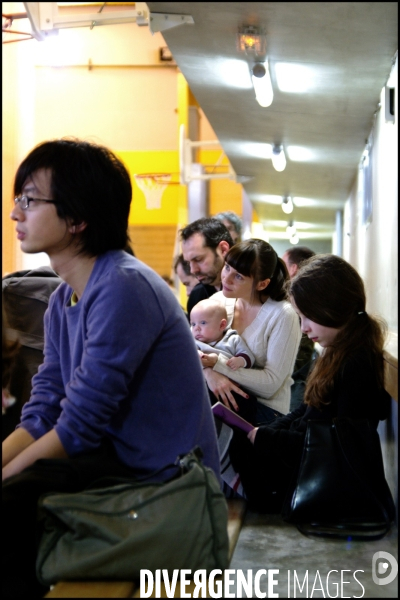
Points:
(337, 425)
(209, 501)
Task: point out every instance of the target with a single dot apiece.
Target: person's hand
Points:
(222, 388)
(252, 434)
(236, 362)
(209, 360)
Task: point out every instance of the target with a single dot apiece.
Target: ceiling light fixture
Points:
(262, 84)
(251, 40)
(287, 205)
(290, 229)
(294, 239)
(278, 158)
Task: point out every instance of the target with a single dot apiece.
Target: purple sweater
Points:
(114, 368)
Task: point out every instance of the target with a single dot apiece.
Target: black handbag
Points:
(340, 490)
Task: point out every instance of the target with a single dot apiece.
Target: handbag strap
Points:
(340, 530)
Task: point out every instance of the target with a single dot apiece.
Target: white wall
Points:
(372, 249)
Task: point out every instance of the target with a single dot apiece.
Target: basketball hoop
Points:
(153, 186)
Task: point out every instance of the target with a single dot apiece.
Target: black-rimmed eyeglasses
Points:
(24, 201)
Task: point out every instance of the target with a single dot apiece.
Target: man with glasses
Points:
(105, 401)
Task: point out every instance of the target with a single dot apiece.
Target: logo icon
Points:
(381, 561)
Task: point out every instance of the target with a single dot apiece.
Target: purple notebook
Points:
(231, 418)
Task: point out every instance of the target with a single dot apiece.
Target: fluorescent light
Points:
(294, 78)
(258, 150)
(262, 84)
(287, 205)
(294, 239)
(290, 229)
(274, 223)
(329, 204)
(268, 198)
(230, 72)
(314, 235)
(278, 158)
(299, 153)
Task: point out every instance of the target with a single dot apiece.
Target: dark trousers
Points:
(22, 529)
(265, 480)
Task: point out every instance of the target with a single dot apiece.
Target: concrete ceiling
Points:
(347, 47)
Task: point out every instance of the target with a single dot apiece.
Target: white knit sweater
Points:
(274, 338)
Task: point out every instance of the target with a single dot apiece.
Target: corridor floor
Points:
(266, 542)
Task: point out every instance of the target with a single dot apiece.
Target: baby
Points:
(208, 321)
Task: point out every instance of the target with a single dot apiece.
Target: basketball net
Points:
(153, 187)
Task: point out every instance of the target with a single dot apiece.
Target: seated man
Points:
(105, 401)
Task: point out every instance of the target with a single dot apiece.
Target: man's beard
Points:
(213, 277)
(208, 280)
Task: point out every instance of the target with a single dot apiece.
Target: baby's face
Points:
(205, 326)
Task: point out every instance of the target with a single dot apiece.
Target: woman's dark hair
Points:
(257, 259)
(329, 291)
(89, 183)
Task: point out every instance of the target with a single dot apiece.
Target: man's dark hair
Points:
(185, 265)
(298, 254)
(213, 231)
(89, 183)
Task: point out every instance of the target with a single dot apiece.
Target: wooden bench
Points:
(130, 589)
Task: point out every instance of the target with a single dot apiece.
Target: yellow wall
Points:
(106, 85)
(9, 161)
(224, 194)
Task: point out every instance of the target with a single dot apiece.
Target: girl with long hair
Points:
(347, 379)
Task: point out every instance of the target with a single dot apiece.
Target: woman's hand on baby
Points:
(208, 360)
(222, 388)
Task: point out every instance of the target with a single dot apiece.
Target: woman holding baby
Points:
(254, 294)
